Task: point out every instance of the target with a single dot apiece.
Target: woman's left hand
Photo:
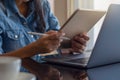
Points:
(78, 42)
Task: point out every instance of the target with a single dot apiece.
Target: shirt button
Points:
(25, 23)
(16, 36)
(32, 36)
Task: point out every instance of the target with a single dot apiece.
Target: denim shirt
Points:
(14, 27)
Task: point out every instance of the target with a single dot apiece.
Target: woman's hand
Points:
(45, 44)
(49, 42)
(78, 42)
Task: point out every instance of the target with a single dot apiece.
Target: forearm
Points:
(24, 52)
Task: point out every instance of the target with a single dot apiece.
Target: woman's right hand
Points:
(45, 44)
(49, 42)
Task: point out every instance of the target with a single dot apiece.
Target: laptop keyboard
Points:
(81, 60)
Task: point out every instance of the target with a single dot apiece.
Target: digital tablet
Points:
(82, 20)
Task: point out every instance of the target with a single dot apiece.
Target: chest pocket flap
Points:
(14, 34)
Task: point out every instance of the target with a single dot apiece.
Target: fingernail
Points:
(80, 50)
(83, 47)
(63, 34)
(61, 40)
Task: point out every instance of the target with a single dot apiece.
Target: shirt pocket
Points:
(14, 34)
(13, 40)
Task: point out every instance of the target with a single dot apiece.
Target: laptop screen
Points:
(107, 47)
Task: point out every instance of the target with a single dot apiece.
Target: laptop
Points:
(111, 71)
(107, 47)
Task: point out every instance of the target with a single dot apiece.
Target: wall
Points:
(60, 10)
(52, 4)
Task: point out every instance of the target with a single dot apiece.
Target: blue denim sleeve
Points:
(2, 9)
(1, 41)
(52, 19)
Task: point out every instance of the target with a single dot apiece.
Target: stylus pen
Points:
(42, 34)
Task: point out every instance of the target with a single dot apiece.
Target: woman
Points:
(18, 17)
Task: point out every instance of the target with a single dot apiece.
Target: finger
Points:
(66, 51)
(77, 45)
(53, 36)
(53, 46)
(51, 32)
(61, 34)
(83, 35)
(56, 35)
(56, 41)
(50, 36)
(75, 49)
(49, 50)
(80, 40)
(86, 37)
(78, 50)
(61, 40)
